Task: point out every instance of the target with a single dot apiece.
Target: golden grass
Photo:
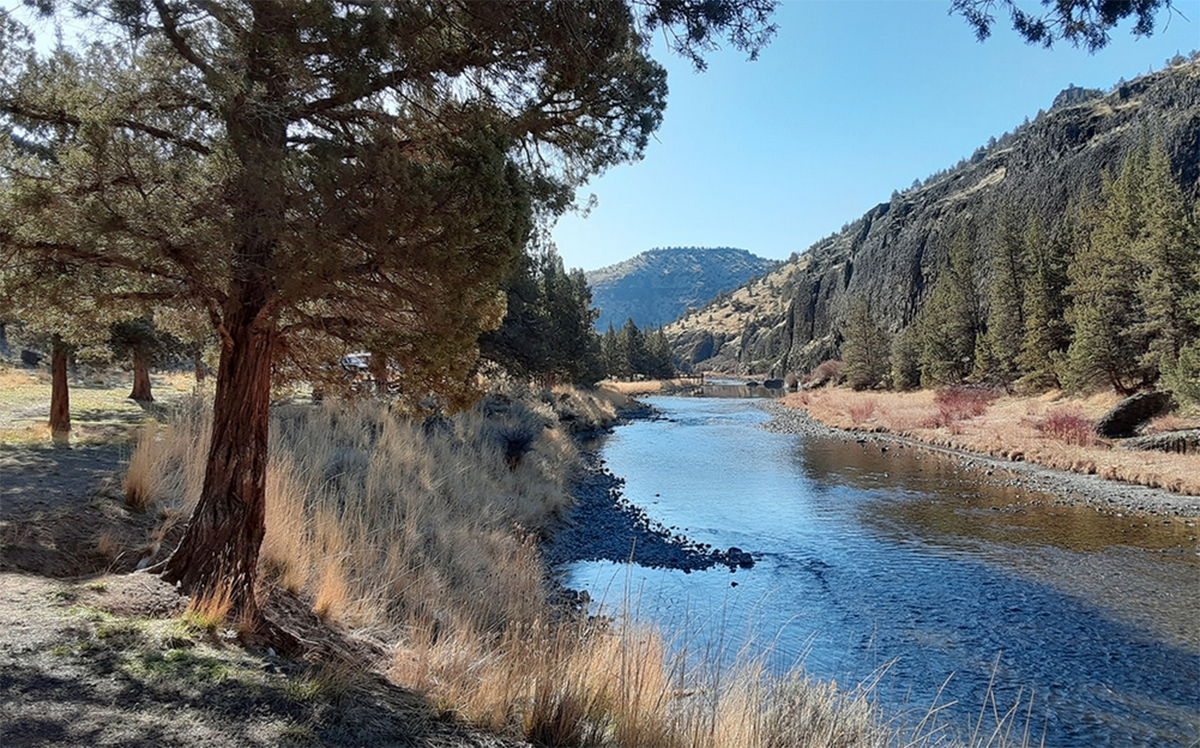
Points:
(100, 408)
(424, 535)
(1011, 428)
(646, 386)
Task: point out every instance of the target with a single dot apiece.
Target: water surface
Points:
(869, 557)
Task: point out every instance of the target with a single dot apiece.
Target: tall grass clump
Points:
(425, 534)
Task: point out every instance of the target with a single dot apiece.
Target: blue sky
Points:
(850, 101)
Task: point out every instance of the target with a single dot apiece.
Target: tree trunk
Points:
(218, 556)
(141, 377)
(60, 398)
(377, 365)
(198, 367)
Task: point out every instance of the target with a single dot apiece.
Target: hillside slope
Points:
(790, 320)
(659, 285)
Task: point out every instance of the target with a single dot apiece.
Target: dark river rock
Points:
(874, 555)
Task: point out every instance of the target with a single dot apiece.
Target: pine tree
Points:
(1171, 255)
(1128, 279)
(906, 354)
(997, 361)
(949, 323)
(1046, 334)
(865, 348)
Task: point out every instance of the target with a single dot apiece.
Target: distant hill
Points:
(793, 318)
(659, 285)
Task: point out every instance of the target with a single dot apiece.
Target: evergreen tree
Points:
(1129, 279)
(865, 348)
(1006, 316)
(630, 351)
(949, 323)
(318, 175)
(659, 360)
(906, 355)
(1171, 256)
(1046, 334)
(609, 353)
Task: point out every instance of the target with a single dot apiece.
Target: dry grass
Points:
(1048, 430)
(646, 387)
(100, 408)
(424, 535)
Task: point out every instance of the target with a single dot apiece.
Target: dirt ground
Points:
(93, 653)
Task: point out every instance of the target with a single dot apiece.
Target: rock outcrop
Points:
(791, 319)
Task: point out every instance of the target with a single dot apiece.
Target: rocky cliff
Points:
(659, 285)
(790, 320)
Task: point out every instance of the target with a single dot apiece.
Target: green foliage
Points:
(949, 323)
(548, 327)
(1084, 23)
(1183, 375)
(630, 352)
(996, 359)
(1046, 334)
(1129, 279)
(906, 355)
(865, 348)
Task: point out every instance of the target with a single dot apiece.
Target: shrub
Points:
(861, 409)
(1069, 426)
(958, 403)
(826, 372)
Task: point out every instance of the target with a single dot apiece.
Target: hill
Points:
(791, 319)
(659, 285)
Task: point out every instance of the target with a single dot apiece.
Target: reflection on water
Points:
(867, 556)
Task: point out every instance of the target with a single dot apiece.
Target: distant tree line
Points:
(632, 353)
(1109, 299)
(548, 331)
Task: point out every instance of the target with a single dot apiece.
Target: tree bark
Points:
(141, 377)
(377, 364)
(60, 398)
(218, 556)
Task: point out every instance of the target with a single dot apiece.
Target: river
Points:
(872, 558)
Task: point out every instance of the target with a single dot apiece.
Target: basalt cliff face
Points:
(790, 320)
(659, 285)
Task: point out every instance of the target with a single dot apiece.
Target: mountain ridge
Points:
(659, 285)
(791, 319)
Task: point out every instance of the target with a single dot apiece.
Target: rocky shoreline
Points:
(606, 526)
(1072, 488)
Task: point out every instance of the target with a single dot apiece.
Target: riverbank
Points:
(1091, 488)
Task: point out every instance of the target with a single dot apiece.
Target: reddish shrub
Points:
(1069, 426)
(861, 410)
(958, 403)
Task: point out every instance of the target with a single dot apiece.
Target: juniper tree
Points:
(316, 176)
(1084, 23)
